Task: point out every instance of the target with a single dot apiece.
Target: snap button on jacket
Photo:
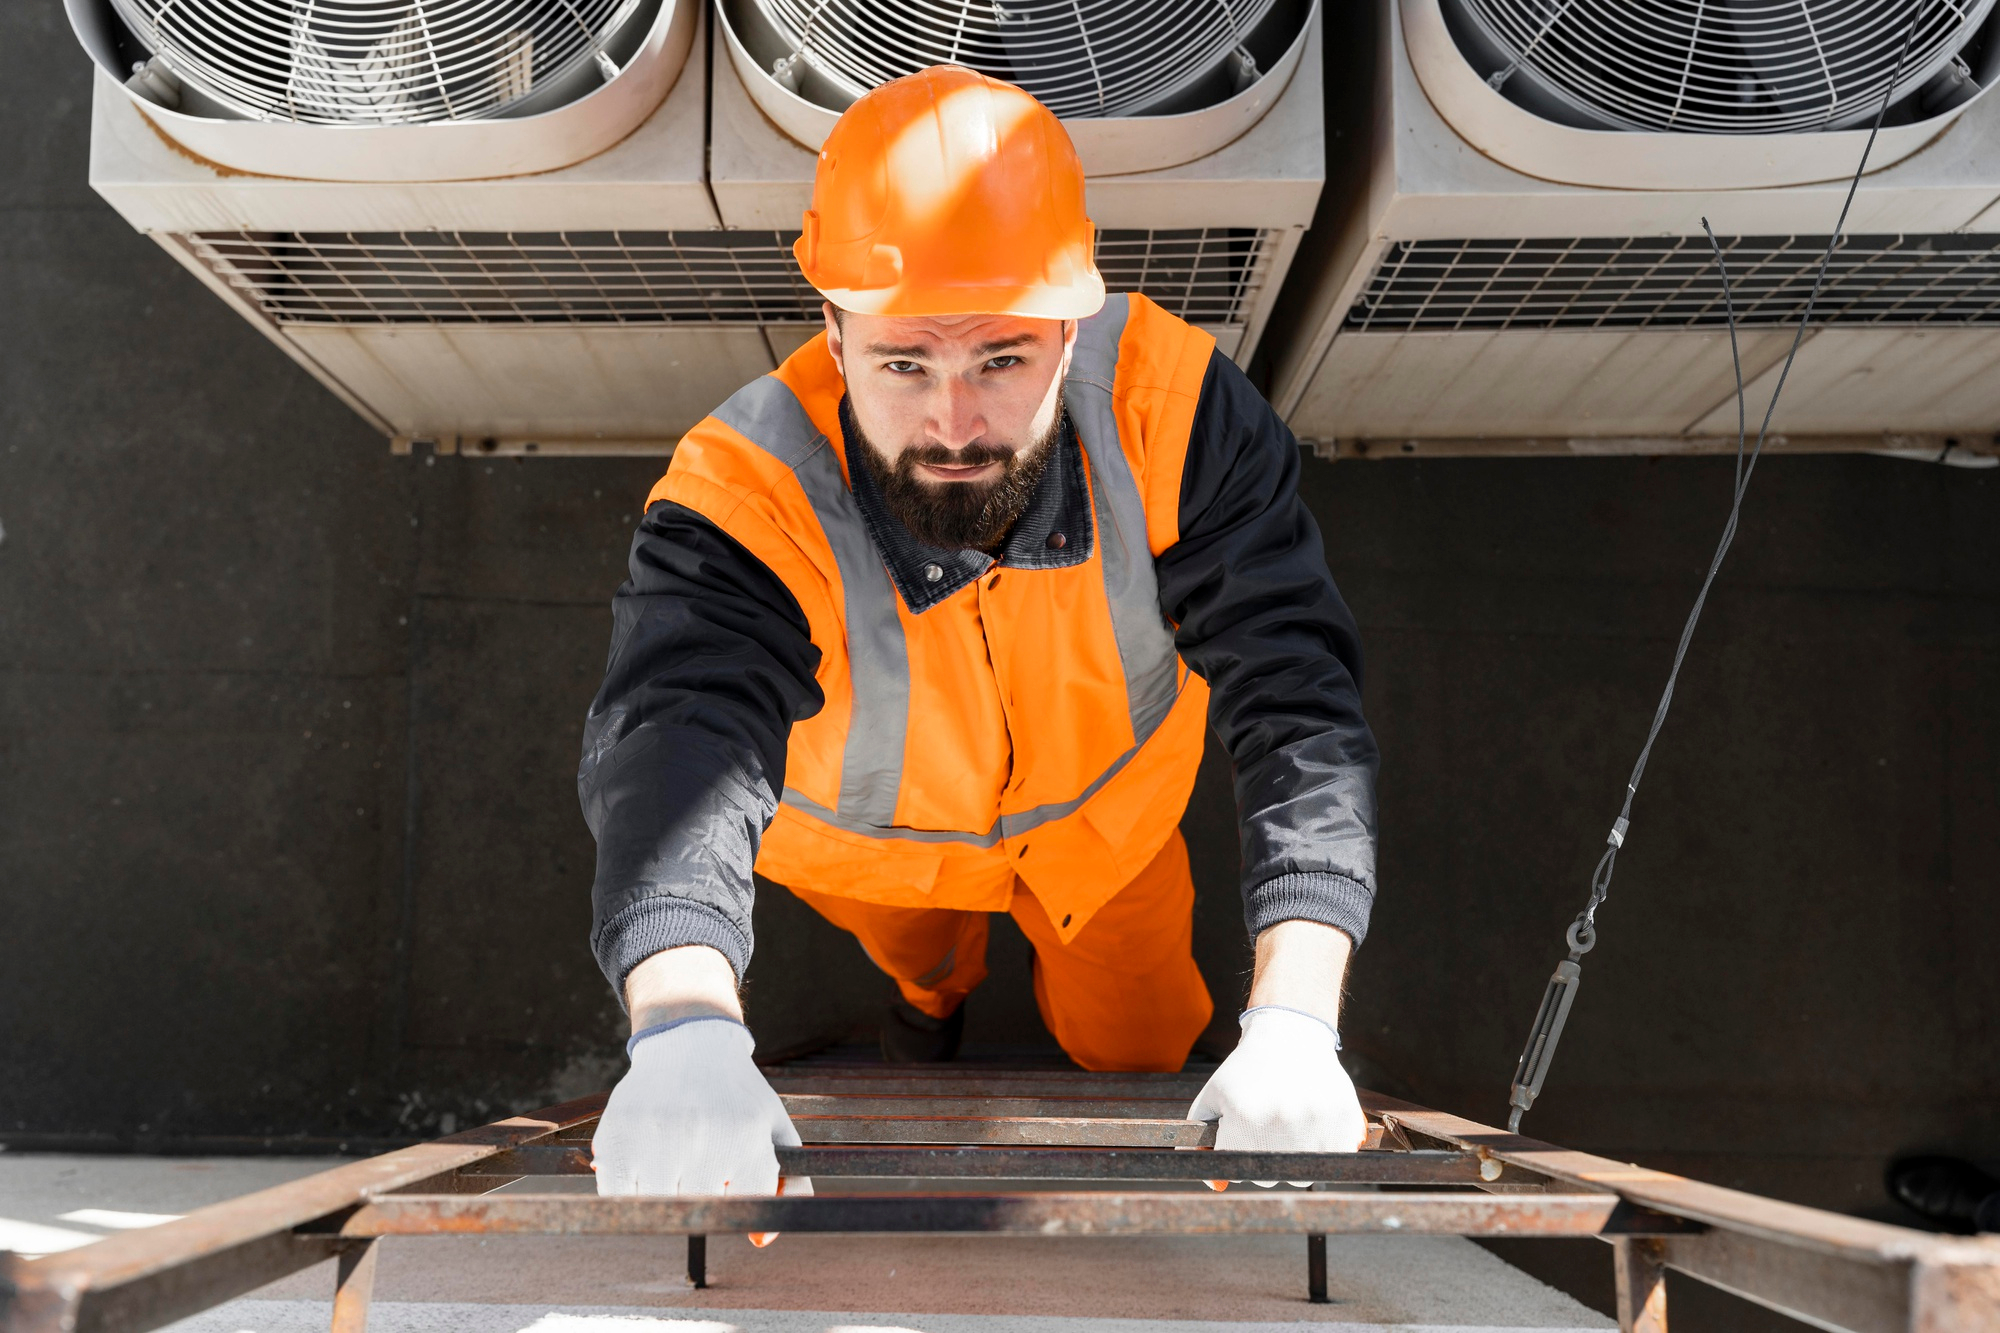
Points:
(1039, 725)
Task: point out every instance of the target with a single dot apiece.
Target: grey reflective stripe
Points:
(799, 801)
(1015, 825)
(1153, 673)
(769, 414)
(1009, 826)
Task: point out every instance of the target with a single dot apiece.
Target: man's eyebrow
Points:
(922, 350)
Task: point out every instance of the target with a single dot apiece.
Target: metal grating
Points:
(1078, 57)
(336, 62)
(1208, 276)
(1671, 282)
(1740, 67)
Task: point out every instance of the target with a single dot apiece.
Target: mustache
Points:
(977, 454)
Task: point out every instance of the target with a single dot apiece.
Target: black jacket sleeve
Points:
(712, 662)
(1261, 621)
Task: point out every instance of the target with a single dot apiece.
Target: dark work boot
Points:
(912, 1037)
(1949, 1191)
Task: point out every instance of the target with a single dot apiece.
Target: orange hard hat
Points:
(948, 193)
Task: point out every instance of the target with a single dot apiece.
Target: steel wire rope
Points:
(1536, 1057)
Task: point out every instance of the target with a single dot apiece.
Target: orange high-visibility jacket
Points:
(795, 682)
(1037, 723)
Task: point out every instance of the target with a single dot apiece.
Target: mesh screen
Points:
(1207, 276)
(1671, 282)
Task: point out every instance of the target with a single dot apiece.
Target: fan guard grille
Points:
(1721, 66)
(373, 62)
(1079, 57)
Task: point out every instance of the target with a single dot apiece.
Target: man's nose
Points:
(958, 420)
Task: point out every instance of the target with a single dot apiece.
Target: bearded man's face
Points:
(955, 415)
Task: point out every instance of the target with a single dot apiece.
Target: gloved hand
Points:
(693, 1116)
(1283, 1089)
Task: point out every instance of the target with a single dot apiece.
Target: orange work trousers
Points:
(1124, 994)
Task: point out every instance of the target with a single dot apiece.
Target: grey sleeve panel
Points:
(684, 747)
(1260, 619)
(678, 817)
(1308, 832)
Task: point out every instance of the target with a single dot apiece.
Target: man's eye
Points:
(1003, 362)
(904, 367)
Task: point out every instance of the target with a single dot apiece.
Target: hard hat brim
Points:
(1079, 300)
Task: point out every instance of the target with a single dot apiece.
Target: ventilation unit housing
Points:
(1506, 281)
(608, 306)
(1210, 239)
(390, 90)
(599, 307)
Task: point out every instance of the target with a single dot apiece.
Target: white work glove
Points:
(693, 1116)
(1282, 1089)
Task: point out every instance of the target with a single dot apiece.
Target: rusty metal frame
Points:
(1423, 1172)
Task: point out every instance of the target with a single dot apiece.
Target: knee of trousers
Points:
(1154, 1034)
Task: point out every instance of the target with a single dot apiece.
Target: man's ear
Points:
(832, 318)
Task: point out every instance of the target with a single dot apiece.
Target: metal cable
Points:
(1581, 936)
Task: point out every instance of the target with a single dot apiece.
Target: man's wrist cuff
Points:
(1283, 1009)
(1309, 895)
(633, 1041)
(655, 924)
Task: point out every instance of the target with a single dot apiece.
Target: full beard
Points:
(957, 515)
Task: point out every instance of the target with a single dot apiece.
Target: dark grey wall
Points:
(289, 844)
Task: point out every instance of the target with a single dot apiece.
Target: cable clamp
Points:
(1617, 838)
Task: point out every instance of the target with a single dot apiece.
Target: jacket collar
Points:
(1054, 531)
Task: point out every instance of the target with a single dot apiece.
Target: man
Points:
(930, 623)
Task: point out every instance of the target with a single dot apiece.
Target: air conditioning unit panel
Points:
(653, 178)
(566, 384)
(762, 177)
(1637, 160)
(1430, 179)
(1458, 298)
(1107, 146)
(788, 338)
(1463, 385)
(1210, 239)
(1912, 381)
(441, 151)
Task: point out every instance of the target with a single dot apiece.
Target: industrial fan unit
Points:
(390, 90)
(1520, 264)
(1200, 124)
(606, 303)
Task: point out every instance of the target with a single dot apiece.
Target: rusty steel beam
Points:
(138, 1280)
(1046, 1131)
(984, 1107)
(1640, 1276)
(900, 1080)
(1379, 1168)
(1832, 1271)
(1237, 1212)
(534, 1159)
(354, 1285)
(972, 1163)
(1052, 1130)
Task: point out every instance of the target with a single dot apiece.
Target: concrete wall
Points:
(289, 844)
